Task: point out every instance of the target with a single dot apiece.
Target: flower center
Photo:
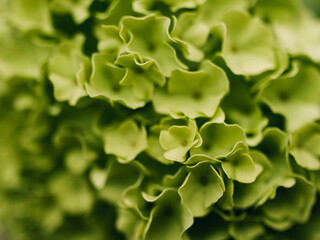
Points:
(184, 143)
(151, 47)
(284, 96)
(234, 49)
(206, 147)
(116, 88)
(138, 70)
(168, 211)
(197, 95)
(133, 144)
(204, 181)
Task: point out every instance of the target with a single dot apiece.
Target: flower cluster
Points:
(159, 119)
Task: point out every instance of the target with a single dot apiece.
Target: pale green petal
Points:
(155, 150)
(116, 184)
(105, 82)
(78, 9)
(242, 108)
(240, 166)
(68, 70)
(248, 45)
(141, 75)
(156, 46)
(188, 29)
(212, 11)
(186, 96)
(218, 139)
(226, 201)
(280, 213)
(169, 219)
(125, 140)
(98, 177)
(295, 28)
(276, 171)
(115, 11)
(305, 146)
(130, 223)
(72, 193)
(306, 159)
(26, 15)
(78, 160)
(296, 97)
(110, 41)
(246, 230)
(202, 188)
(178, 140)
(21, 55)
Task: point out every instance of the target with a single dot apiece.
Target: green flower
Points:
(294, 27)
(68, 70)
(130, 223)
(105, 81)
(212, 12)
(141, 75)
(115, 11)
(248, 45)
(125, 140)
(296, 97)
(169, 219)
(186, 94)
(78, 160)
(77, 9)
(247, 195)
(177, 140)
(155, 150)
(282, 69)
(201, 189)
(218, 139)
(115, 185)
(109, 41)
(290, 205)
(27, 16)
(305, 146)
(240, 166)
(156, 46)
(133, 197)
(192, 34)
(72, 193)
(193, 29)
(21, 55)
(246, 230)
(273, 158)
(242, 108)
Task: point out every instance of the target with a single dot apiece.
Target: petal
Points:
(27, 16)
(156, 46)
(280, 213)
(105, 82)
(202, 188)
(125, 141)
(218, 139)
(72, 192)
(170, 215)
(68, 70)
(296, 97)
(240, 166)
(248, 45)
(186, 94)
